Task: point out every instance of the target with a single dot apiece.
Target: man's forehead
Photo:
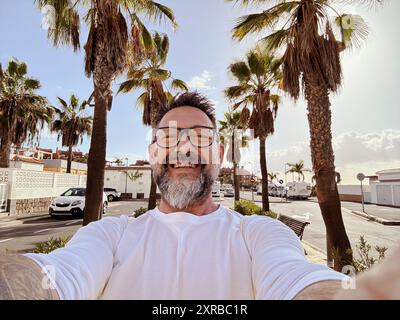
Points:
(185, 117)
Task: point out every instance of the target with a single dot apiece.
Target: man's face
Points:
(185, 156)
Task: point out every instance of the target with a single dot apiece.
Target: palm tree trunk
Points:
(69, 161)
(97, 160)
(153, 194)
(264, 175)
(322, 156)
(236, 181)
(5, 149)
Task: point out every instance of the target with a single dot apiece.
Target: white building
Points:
(383, 189)
(120, 178)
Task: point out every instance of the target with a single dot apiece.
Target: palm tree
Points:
(117, 38)
(151, 77)
(232, 133)
(118, 161)
(298, 168)
(72, 125)
(23, 112)
(255, 77)
(272, 176)
(312, 62)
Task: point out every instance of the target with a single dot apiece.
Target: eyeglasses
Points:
(169, 137)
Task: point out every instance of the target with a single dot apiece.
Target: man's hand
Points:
(382, 282)
(22, 278)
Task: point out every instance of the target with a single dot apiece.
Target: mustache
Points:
(192, 157)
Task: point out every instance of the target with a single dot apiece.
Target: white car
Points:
(112, 194)
(216, 190)
(72, 202)
(229, 192)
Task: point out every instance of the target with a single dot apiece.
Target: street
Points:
(21, 234)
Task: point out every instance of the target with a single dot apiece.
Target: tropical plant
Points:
(272, 176)
(298, 168)
(23, 112)
(50, 245)
(311, 62)
(232, 133)
(72, 124)
(255, 77)
(248, 208)
(118, 161)
(155, 82)
(117, 38)
(151, 77)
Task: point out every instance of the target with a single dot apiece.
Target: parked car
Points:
(216, 189)
(298, 190)
(112, 194)
(229, 192)
(72, 202)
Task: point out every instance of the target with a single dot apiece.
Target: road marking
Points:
(305, 216)
(6, 240)
(71, 222)
(42, 230)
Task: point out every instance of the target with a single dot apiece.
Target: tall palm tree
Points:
(117, 37)
(23, 112)
(72, 125)
(151, 78)
(312, 62)
(231, 133)
(298, 168)
(255, 77)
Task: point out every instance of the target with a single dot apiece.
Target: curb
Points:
(314, 247)
(377, 219)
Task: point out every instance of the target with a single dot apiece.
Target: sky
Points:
(366, 112)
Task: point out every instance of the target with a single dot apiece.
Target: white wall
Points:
(27, 184)
(61, 163)
(382, 177)
(118, 180)
(26, 165)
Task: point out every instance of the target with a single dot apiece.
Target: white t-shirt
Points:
(221, 255)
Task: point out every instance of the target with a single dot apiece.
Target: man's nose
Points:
(185, 147)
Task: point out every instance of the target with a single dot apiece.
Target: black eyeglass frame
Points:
(154, 140)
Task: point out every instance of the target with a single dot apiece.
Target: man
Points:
(189, 247)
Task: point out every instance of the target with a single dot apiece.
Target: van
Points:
(298, 190)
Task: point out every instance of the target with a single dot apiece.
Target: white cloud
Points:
(201, 81)
(354, 152)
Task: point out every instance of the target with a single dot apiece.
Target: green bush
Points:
(248, 208)
(139, 212)
(51, 244)
(366, 260)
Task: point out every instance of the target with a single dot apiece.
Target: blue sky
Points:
(366, 113)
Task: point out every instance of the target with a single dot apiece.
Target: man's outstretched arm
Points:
(22, 278)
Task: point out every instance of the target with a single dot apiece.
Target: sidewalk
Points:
(314, 254)
(380, 214)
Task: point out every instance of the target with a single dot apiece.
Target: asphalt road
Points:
(20, 235)
(375, 233)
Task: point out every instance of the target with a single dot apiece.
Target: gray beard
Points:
(187, 191)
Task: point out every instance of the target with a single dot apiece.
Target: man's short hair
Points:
(189, 99)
